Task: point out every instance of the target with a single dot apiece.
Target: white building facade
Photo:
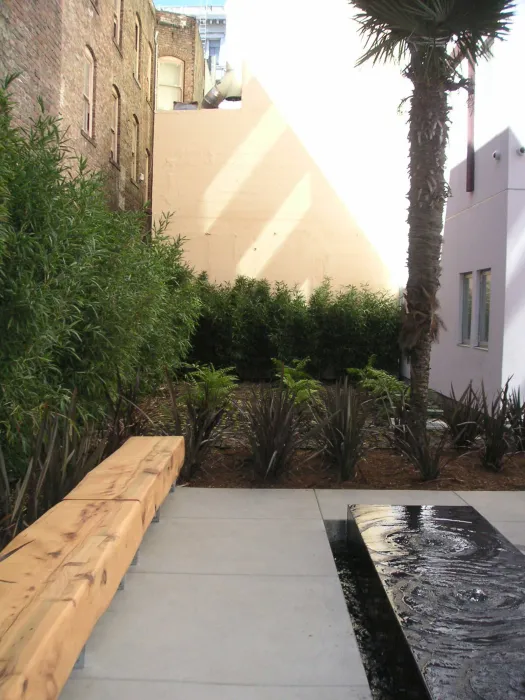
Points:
(482, 293)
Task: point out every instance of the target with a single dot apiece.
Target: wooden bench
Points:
(59, 575)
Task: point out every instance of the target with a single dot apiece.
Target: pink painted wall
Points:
(309, 178)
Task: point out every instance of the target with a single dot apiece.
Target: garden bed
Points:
(229, 466)
(380, 469)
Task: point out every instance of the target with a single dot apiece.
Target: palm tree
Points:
(429, 38)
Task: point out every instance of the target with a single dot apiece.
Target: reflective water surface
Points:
(457, 588)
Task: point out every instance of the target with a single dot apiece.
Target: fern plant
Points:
(298, 380)
(210, 386)
(204, 400)
(377, 382)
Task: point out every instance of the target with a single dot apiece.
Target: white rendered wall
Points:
(486, 228)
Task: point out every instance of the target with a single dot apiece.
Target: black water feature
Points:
(455, 592)
(391, 671)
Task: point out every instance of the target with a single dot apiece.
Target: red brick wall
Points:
(31, 43)
(47, 39)
(179, 37)
(88, 25)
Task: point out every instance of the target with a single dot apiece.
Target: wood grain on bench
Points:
(142, 470)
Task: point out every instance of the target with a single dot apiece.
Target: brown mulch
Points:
(380, 469)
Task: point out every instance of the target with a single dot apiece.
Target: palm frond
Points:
(391, 29)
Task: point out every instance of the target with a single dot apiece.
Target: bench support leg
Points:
(80, 662)
(156, 517)
(172, 488)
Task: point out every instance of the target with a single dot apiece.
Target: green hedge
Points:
(249, 322)
(84, 295)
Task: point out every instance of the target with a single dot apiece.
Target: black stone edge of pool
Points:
(498, 678)
(391, 670)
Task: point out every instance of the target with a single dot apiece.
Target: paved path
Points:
(236, 597)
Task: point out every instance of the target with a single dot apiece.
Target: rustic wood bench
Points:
(59, 575)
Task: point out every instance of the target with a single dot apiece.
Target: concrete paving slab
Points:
(245, 603)
(91, 689)
(513, 531)
(333, 502)
(210, 546)
(248, 630)
(240, 503)
(500, 506)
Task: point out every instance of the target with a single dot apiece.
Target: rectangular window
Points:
(89, 73)
(466, 307)
(135, 150)
(115, 126)
(484, 308)
(149, 70)
(117, 9)
(136, 66)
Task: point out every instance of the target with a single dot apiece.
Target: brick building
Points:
(180, 55)
(31, 44)
(93, 63)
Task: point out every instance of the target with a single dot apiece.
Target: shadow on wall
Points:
(250, 199)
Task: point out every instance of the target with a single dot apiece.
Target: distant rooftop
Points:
(180, 5)
(209, 12)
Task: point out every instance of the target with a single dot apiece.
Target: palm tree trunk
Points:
(427, 196)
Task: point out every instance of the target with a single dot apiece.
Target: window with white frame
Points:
(117, 14)
(115, 125)
(466, 307)
(149, 70)
(88, 92)
(135, 149)
(138, 41)
(484, 279)
(170, 82)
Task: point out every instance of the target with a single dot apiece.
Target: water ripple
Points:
(457, 588)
